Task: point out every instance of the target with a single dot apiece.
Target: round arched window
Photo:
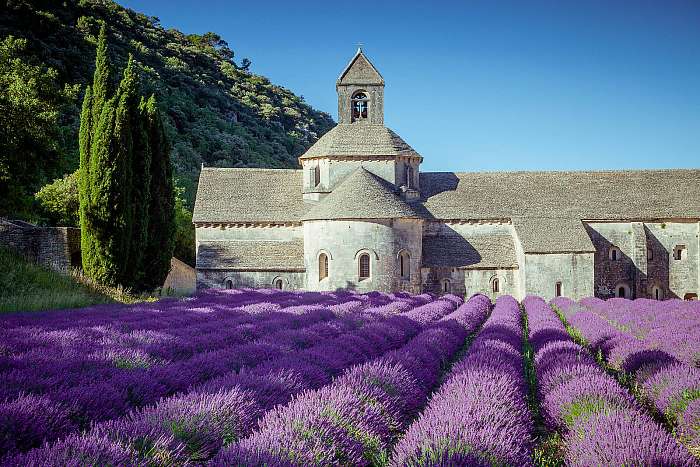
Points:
(360, 103)
(445, 286)
(363, 266)
(279, 283)
(228, 284)
(322, 266)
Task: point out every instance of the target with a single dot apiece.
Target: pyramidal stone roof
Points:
(360, 71)
(360, 139)
(362, 195)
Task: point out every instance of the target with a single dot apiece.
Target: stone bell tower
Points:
(360, 90)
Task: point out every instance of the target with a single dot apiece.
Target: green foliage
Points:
(59, 201)
(32, 129)
(161, 210)
(126, 190)
(184, 230)
(215, 112)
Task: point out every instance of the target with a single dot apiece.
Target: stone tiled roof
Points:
(362, 195)
(360, 139)
(471, 252)
(360, 71)
(249, 195)
(549, 235)
(246, 255)
(612, 195)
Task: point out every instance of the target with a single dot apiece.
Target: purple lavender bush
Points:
(479, 415)
(600, 422)
(619, 330)
(356, 419)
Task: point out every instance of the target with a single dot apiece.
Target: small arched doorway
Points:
(228, 284)
(278, 283)
(622, 291)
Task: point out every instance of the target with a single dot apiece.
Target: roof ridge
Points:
(574, 172)
(257, 169)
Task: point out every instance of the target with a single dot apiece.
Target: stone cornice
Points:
(225, 225)
(342, 158)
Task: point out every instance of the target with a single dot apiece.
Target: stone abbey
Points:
(360, 214)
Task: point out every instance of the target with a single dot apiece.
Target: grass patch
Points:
(26, 286)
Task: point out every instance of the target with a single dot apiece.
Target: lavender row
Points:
(80, 361)
(599, 421)
(479, 416)
(193, 426)
(80, 400)
(81, 368)
(149, 321)
(656, 323)
(356, 419)
(671, 386)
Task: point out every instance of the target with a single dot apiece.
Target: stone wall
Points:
(646, 261)
(210, 278)
(573, 270)
(344, 241)
(57, 248)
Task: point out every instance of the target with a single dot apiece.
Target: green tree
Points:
(31, 102)
(59, 201)
(184, 231)
(161, 210)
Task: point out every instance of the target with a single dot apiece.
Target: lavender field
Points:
(278, 378)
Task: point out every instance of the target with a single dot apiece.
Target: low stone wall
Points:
(56, 248)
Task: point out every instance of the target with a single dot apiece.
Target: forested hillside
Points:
(217, 112)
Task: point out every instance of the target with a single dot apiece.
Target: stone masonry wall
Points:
(343, 241)
(57, 248)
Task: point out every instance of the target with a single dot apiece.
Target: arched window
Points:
(495, 285)
(359, 105)
(405, 265)
(322, 266)
(557, 289)
(317, 175)
(279, 283)
(657, 293)
(445, 286)
(614, 253)
(228, 284)
(363, 266)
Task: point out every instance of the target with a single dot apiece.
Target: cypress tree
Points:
(126, 191)
(132, 115)
(90, 127)
(101, 84)
(85, 136)
(161, 211)
(102, 266)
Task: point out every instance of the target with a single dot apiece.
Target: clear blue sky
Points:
(488, 85)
